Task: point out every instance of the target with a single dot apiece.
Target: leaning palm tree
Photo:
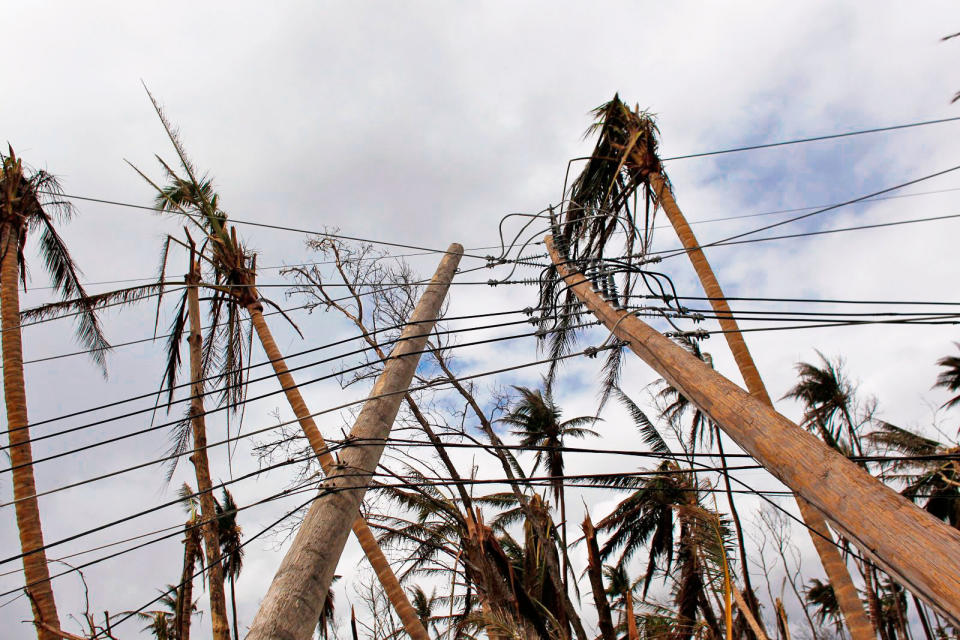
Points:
(30, 202)
(536, 419)
(623, 167)
(230, 276)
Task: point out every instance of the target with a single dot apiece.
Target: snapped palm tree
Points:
(30, 203)
(230, 274)
(536, 419)
(623, 166)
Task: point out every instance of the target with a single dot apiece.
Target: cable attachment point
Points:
(540, 333)
(595, 275)
(698, 334)
(493, 283)
(528, 311)
(591, 352)
(613, 294)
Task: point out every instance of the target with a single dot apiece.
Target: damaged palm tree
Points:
(231, 278)
(624, 167)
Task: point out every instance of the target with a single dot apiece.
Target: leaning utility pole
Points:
(918, 550)
(856, 619)
(292, 605)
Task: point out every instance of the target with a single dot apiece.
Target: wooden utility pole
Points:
(848, 599)
(920, 551)
(292, 605)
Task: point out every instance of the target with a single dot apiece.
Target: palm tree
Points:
(30, 202)
(827, 397)
(931, 474)
(326, 621)
(230, 271)
(231, 549)
(950, 378)
(424, 604)
(192, 556)
(536, 419)
(161, 623)
(623, 165)
(821, 597)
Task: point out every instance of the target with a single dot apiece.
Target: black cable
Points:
(436, 383)
(806, 234)
(266, 362)
(265, 225)
(267, 377)
(817, 212)
(415, 482)
(813, 139)
(809, 300)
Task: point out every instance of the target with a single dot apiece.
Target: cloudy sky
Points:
(423, 124)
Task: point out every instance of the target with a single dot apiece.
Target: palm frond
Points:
(651, 437)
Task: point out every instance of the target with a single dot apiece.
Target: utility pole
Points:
(856, 619)
(918, 550)
(292, 605)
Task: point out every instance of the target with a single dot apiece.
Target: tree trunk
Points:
(35, 571)
(632, 633)
(185, 592)
(368, 542)
(837, 572)
(208, 511)
(595, 573)
(782, 623)
(292, 604)
(233, 605)
(748, 614)
(750, 598)
(919, 550)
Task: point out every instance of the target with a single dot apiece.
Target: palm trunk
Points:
(185, 592)
(632, 633)
(35, 571)
(386, 576)
(873, 602)
(595, 573)
(211, 536)
(836, 570)
(233, 605)
(750, 598)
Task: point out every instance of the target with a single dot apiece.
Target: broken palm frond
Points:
(602, 202)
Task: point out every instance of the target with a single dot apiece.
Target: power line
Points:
(426, 253)
(277, 227)
(832, 136)
(819, 211)
(806, 234)
(435, 383)
(266, 377)
(285, 357)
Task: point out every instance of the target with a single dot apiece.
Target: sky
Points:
(424, 124)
